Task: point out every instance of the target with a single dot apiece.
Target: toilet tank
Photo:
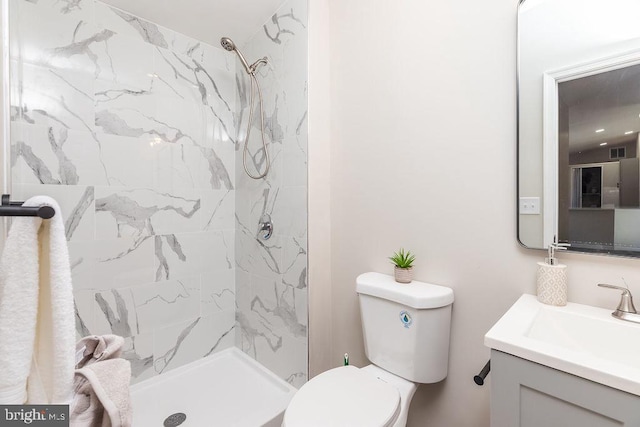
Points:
(406, 326)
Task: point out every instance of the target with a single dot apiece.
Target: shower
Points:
(230, 46)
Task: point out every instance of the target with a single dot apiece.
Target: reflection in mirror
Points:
(598, 173)
(578, 124)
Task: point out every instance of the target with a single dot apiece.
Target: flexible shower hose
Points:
(254, 83)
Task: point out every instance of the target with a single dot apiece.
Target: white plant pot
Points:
(403, 275)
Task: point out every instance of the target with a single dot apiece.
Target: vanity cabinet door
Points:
(526, 394)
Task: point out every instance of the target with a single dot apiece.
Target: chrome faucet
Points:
(626, 310)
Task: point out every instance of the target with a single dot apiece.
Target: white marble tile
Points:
(143, 212)
(291, 211)
(188, 341)
(127, 61)
(256, 164)
(255, 334)
(136, 130)
(221, 132)
(111, 264)
(138, 350)
(220, 166)
(80, 9)
(127, 111)
(125, 24)
(243, 291)
(184, 118)
(84, 312)
(115, 313)
(218, 210)
(162, 304)
(295, 156)
(257, 256)
(178, 166)
(76, 203)
(52, 97)
(127, 161)
(177, 76)
(275, 305)
(218, 331)
(288, 361)
(178, 212)
(253, 203)
(186, 45)
(271, 276)
(57, 34)
(218, 292)
(178, 255)
(294, 263)
(56, 155)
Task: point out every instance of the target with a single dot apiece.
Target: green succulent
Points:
(403, 259)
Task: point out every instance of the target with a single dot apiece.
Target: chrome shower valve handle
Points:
(266, 227)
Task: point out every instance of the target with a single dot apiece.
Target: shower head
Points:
(229, 45)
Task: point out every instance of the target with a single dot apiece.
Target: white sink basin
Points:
(578, 339)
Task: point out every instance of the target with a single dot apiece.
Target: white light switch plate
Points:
(529, 206)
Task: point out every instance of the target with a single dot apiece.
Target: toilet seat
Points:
(345, 396)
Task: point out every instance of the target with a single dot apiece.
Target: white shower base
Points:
(227, 389)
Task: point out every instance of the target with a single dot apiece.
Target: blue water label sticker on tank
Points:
(405, 318)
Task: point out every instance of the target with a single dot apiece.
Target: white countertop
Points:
(579, 339)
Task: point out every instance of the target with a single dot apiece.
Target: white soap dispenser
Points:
(552, 277)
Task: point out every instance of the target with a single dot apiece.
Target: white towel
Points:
(37, 336)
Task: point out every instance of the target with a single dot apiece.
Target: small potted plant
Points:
(403, 262)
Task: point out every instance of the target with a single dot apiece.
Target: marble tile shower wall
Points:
(271, 275)
(130, 126)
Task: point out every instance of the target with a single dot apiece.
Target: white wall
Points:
(410, 81)
(319, 192)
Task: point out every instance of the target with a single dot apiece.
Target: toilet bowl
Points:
(350, 396)
(406, 336)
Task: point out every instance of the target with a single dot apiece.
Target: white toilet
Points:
(406, 337)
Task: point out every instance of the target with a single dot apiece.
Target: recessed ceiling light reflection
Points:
(599, 130)
(629, 132)
(603, 143)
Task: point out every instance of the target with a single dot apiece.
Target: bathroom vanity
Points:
(563, 366)
(528, 394)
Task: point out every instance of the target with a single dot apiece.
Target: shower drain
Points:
(175, 419)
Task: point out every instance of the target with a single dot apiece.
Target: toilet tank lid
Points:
(416, 294)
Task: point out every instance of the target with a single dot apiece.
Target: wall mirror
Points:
(579, 125)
